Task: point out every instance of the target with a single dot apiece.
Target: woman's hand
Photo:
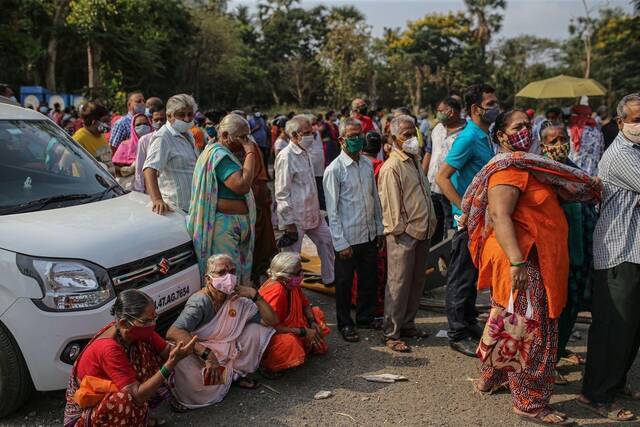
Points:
(313, 336)
(160, 207)
(246, 291)
(519, 277)
(179, 352)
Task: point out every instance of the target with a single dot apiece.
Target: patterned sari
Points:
(214, 232)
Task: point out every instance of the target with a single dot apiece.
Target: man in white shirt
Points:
(355, 220)
(297, 196)
(316, 154)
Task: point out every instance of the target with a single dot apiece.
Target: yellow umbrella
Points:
(562, 87)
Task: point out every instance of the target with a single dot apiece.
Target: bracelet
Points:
(303, 332)
(165, 372)
(519, 263)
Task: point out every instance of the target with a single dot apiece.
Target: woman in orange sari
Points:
(302, 328)
(518, 240)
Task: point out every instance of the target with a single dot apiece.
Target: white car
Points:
(71, 239)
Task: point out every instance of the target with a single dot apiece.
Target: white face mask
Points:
(181, 126)
(632, 132)
(306, 141)
(411, 146)
(142, 130)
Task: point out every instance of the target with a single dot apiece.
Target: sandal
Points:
(573, 359)
(397, 345)
(560, 379)
(611, 411)
(414, 333)
(349, 334)
(492, 390)
(177, 407)
(628, 394)
(547, 417)
(247, 383)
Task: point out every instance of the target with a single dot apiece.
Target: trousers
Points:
(321, 237)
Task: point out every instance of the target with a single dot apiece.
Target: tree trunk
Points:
(418, 88)
(52, 45)
(94, 54)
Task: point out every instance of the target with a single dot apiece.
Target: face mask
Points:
(490, 114)
(632, 132)
(156, 125)
(142, 130)
(520, 141)
(411, 146)
(306, 141)
(211, 131)
(225, 284)
(181, 126)
(294, 282)
(557, 152)
(442, 117)
(147, 112)
(354, 144)
(103, 127)
(141, 333)
(139, 109)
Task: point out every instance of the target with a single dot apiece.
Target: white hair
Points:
(283, 265)
(296, 123)
(349, 121)
(215, 259)
(546, 127)
(622, 105)
(397, 121)
(180, 101)
(234, 124)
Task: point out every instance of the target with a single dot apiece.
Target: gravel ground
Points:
(438, 392)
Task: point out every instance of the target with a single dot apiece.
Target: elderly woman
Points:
(134, 361)
(233, 327)
(125, 156)
(171, 158)
(581, 218)
(222, 215)
(518, 234)
(301, 330)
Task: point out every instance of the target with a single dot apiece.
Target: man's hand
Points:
(380, 242)
(346, 254)
(160, 207)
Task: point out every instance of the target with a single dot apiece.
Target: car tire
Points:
(15, 382)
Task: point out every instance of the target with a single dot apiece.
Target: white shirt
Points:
(441, 140)
(295, 188)
(353, 204)
(279, 145)
(316, 154)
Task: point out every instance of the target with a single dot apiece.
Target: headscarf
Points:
(571, 184)
(127, 151)
(580, 118)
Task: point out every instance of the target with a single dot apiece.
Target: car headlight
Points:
(68, 285)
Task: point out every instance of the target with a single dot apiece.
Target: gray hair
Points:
(546, 126)
(234, 124)
(213, 260)
(180, 101)
(397, 121)
(349, 121)
(282, 265)
(130, 304)
(295, 123)
(627, 99)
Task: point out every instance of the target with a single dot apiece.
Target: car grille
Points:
(144, 272)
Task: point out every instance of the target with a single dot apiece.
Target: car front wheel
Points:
(15, 381)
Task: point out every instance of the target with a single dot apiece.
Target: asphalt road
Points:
(438, 392)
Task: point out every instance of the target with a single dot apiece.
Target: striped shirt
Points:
(353, 205)
(121, 130)
(173, 156)
(616, 239)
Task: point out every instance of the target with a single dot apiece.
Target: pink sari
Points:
(238, 346)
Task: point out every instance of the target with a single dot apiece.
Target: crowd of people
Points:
(542, 211)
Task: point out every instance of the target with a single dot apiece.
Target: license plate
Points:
(171, 296)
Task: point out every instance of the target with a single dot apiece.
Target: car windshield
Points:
(42, 168)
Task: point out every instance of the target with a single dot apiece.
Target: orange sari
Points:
(287, 350)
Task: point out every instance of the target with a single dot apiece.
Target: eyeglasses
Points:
(144, 322)
(224, 271)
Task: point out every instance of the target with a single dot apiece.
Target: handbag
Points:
(92, 390)
(507, 338)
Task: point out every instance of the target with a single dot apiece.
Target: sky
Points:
(542, 18)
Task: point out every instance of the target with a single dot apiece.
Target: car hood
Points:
(109, 232)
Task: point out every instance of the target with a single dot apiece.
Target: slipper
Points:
(612, 411)
(397, 345)
(349, 334)
(541, 418)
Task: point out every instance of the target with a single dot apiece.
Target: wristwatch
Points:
(205, 354)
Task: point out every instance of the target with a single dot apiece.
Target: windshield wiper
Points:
(36, 205)
(100, 195)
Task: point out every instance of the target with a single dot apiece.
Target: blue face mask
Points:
(211, 131)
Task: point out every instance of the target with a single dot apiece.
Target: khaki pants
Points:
(407, 262)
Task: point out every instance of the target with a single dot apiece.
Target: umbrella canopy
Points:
(562, 87)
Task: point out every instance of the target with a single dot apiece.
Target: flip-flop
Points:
(397, 345)
(539, 418)
(606, 411)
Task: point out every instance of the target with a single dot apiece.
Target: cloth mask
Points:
(354, 144)
(211, 131)
(521, 140)
(306, 141)
(141, 333)
(632, 132)
(294, 282)
(142, 130)
(442, 117)
(490, 114)
(225, 284)
(139, 109)
(557, 152)
(411, 146)
(181, 126)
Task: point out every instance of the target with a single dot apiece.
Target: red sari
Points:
(286, 350)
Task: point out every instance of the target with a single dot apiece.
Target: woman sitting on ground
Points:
(233, 327)
(518, 240)
(133, 357)
(301, 330)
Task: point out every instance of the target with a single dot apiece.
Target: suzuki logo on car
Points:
(164, 266)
